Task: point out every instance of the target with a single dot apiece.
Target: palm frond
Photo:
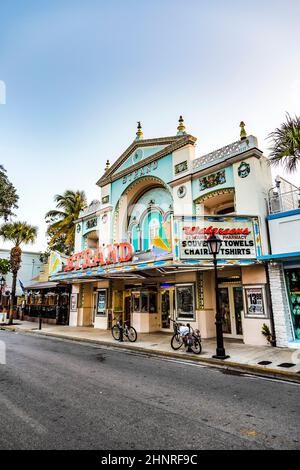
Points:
(285, 144)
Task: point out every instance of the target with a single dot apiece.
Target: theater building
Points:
(141, 253)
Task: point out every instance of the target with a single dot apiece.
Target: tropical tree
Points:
(4, 266)
(285, 144)
(61, 227)
(8, 195)
(17, 233)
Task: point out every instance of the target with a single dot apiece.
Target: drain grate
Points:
(286, 364)
(264, 363)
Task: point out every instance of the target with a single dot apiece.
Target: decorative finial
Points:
(181, 126)
(107, 166)
(243, 133)
(139, 134)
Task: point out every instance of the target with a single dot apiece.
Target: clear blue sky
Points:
(79, 74)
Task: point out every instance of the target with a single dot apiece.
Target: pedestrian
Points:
(23, 307)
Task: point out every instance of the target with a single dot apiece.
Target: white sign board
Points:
(237, 236)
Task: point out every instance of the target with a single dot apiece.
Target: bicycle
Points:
(185, 335)
(118, 331)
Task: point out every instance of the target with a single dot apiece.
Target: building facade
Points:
(284, 261)
(141, 253)
(31, 266)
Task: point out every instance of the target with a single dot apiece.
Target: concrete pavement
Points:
(280, 362)
(67, 395)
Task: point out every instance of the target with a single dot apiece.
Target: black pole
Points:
(220, 351)
(40, 322)
(121, 338)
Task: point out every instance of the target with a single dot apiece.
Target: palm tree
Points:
(285, 146)
(61, 220)
(17, 233)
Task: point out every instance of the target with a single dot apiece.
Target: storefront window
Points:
(136, 302)
(152, 302)
(293, 287)
(144, 301)
(185, 301)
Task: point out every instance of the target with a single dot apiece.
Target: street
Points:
(58, 394)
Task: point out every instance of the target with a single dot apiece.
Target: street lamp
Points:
(214, 244)
(2, 282)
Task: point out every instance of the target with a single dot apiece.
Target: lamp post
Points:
(2, 282)
(214, 244)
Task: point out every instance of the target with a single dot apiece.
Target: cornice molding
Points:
(175, 143)
(217, 166)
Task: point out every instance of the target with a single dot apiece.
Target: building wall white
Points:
(251, 192)
(280, 303)
(284, 234)
(31, 266)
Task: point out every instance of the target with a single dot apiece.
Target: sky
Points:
(79, 75)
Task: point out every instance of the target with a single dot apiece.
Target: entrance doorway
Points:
(231, 306)
(127, 307)
(167, 307)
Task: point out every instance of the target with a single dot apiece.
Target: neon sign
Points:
(108, 254)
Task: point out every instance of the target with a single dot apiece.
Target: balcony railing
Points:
(231, 150)
(283, 202)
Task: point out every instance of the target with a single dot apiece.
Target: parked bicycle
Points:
(119, 330)
(185, 335)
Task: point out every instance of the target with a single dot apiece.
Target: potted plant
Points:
(266, 332)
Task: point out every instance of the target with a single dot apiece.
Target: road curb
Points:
(230, 365)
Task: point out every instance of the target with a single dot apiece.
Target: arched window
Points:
(135, 237)
(154, 226)
(91, 240)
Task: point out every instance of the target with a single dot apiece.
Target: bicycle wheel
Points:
(176, 341)
(196, 347)
(115, 331)
(131, 334)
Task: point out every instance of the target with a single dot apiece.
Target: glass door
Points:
(231, 307)
(238, 304)
(167, 308)
(94, 307)
(224, 305)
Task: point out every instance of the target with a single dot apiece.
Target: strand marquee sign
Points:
(105, 255)
(240, 237)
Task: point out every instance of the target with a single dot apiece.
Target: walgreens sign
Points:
(237, 236)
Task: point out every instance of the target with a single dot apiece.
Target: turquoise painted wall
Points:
(163, 171)
(145, 152)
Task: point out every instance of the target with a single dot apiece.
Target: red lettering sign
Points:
(110, 254)
(215, 230)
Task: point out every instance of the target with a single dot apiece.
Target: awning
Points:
(41, 285)
(280, 256)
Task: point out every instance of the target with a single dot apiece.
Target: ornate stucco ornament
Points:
(139, 133)
(181, 126)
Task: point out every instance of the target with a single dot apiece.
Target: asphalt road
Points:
(61, 395)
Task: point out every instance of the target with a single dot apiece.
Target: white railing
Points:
(283, 202)
(223, 153)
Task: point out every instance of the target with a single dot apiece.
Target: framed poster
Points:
(101, 302)
(73, 305)
(255, 301)
(185, 301)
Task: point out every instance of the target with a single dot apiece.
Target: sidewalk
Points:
(282, 362)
